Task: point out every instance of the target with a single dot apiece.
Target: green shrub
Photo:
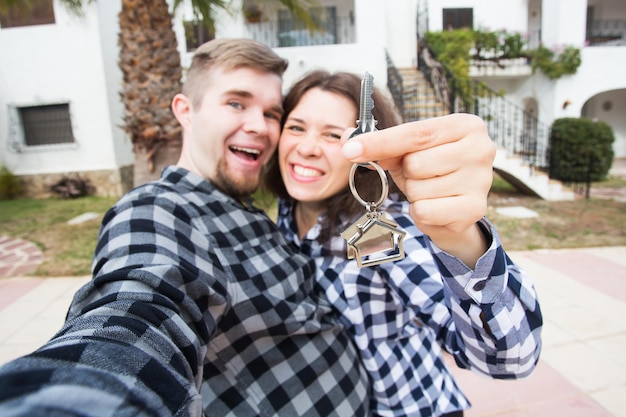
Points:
(555, 64)
(455, 48)
(581, 150)
(10, 185)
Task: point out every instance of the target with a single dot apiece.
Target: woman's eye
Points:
(333, 136)
(294, 128)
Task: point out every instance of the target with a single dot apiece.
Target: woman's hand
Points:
(444, 166)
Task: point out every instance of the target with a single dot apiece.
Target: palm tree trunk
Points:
(151, 68)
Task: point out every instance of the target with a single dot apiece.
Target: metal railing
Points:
(275, 32)
(606, 32)
(511, 127)
(437, 75)
(395, 84)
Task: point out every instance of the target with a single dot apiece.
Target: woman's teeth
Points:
(306, 172)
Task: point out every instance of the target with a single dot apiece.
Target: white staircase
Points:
(528, 180)
(420, 102)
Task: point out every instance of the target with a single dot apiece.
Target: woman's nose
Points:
(310, 145)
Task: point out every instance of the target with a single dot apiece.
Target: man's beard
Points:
(236, 187)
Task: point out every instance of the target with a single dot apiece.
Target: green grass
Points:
(68, 249)
(560, 224)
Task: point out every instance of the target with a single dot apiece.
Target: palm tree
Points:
(152, 71)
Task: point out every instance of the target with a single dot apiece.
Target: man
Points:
(197, 303)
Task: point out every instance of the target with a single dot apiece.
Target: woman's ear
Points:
(181, 107)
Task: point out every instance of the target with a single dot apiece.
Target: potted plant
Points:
(252, 13)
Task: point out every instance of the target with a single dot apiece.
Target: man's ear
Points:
(181, 106)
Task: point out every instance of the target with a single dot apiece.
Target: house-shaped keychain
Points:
(374, 239)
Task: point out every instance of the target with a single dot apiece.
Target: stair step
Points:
(418, 96)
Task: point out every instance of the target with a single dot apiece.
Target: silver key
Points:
(373, 239)
(366, 122)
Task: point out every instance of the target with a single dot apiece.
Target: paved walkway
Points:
(582, 371)
(18, 257)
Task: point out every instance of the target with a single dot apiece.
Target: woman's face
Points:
(309, 150)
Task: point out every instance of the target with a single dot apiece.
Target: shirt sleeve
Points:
(488, 318)
(136, 334)
(495, 310)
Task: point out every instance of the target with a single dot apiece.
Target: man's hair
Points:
(342, 206)
(229, 54)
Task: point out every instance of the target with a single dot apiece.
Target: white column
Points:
(563, 22)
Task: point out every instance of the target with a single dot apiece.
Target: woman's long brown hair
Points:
(342, 205)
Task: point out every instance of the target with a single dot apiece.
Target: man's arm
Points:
(135, 338)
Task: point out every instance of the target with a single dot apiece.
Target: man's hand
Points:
(444, 166)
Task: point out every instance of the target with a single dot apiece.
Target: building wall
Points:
(75, 60)
(367, 54)
(488, 14)
(563, 22)
(61, 62)
(109, 30)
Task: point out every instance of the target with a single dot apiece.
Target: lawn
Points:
(68, 248)
(560, 224)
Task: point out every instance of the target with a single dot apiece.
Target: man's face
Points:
(232, 134)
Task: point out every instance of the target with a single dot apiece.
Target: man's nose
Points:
(256, 122)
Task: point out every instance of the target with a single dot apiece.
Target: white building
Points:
(67, 68)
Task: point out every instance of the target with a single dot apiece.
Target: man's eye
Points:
(272, 116)
(235, 105)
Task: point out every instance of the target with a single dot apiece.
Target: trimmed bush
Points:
(581, 150)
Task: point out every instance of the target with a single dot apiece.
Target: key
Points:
(366, 122)
(372, 239)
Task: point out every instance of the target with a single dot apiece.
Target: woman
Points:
(399, 314)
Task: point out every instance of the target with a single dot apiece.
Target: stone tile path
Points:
(18, 257)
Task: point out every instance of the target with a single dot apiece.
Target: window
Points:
(293, 32)
(46, 125)
(196, 33)
(458, 18)
(39, 12)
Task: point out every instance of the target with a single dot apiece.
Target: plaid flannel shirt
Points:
(401, 314)
(198, 304)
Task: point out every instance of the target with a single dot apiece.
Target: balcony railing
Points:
(510, 126)
(279, 33)
(606, 33)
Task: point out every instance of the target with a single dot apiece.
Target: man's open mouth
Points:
(247, 153)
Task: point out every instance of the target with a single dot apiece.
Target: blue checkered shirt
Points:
(198, 304)
(402, 314)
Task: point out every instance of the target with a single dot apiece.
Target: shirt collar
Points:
(193, 182)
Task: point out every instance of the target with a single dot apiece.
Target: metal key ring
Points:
(383, 180)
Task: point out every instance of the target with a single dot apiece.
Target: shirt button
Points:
(480, 285)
